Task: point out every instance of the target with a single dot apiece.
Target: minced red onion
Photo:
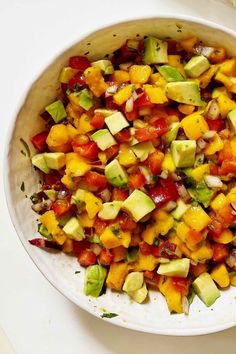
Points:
(42, 206)
(213, 181)
(209, 134)
(194, 263)
(111, 90)
(213, 111)
(129, 106)
(96, 248)
(61, 194)
(183, 193)
(201, 144)
(202, 50)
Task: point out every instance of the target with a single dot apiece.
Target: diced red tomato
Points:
(100, 225)
(52, 180)
(226, 153)
(143, 101)
(105, 257)
(220, 252)
(181, 285)
(126, 222)
(79, 246)
(87, 258)
(110, 104)
(228, 166)
(79, 62)
(61, 206)
(146, 134)
(216, 124)
(88, 150)
(123, 136)
(151, 277)
(225, 216)
(119, 194)
(137, 180)
(39, 141)
(96, 179)
(112, 151)
(215, 228)
(145, 248)
(161, 126)
(132, 115)
(165, 192)
(154, 162)
(76, 81)
(214, 169)
(98, 120)
(172, 111)
(172, 50)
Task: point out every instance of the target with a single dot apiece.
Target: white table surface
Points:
(36, 318)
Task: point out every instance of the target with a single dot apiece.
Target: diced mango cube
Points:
(220, 275)
(92, 204)
(206, 77)
(94, 79)
(224, 79)
(120, 76)
(76, 165)
(202, 254)
(123, 94)
(216, 144)
(149, 234)
(196, 218)
(116, 275)
(219, 202)
(225, 104)
(84, 125)
(186, 109)
(225, 237)
(228, 67)
(139, 73)
(58, 135)
(172, 296)
(85, 221)
(182, 231)
(126, 155)
(194, 126)
(145, 263)
(168, 163)
(189, 43)
(199, 172)
(156, 94)
(175, 61)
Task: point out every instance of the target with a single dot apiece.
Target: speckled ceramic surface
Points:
(59, 269)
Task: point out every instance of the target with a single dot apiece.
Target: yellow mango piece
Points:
(66, 74)
(113, 236)
(58, 135)
(172, 296)
(84, 125)
(126, 156)
(219, 202)
(120, 76)
(207, 76)
(225, 237)
(164, 221)
(68, 182)
(49, 220)
(182, 231)
(224, 79)
(85, 221)
(149, 234)
(116, 275)
(202, 254)
(145, 263)
(60, 237)
(123, 94)
(216, 144)
(225, 104)
(74, 112)
(157, 80)
(156, 94)
(102, 157)
(175, 61)
(194, 126)
(233, 88)
(94, 79)
(196, 218)
(185, 250)
(220, 275)
(67, 246)
(199, 172)
(139, 73)
(233, 145)
(71, 131)
(189, 43)
(186, 109)
(228, 67)
(168, 163)
(76, 165)
(92, 204)
(233, 280)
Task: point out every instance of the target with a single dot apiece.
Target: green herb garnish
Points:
(109, 315)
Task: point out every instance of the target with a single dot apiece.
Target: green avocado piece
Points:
(105, 65)
(105, 112)
(202, 194)
(175, 268)
(181, 208)
(116, 122)
(73, 229)
(206, 289)
(170, 73)
(133, 281)
(116, 174)
(64, 218)
(183, 152)
(138, 204)
(196, 66)
(217, 91)
(184, 92)
(55, 160)
(142, 150)
(38, 161)
(139, 295)
(44, 231)
(56, 111)
(78, 198)
(103, 139)
(85, 99)
(132, 254)
(110, 210)
(232, 120)
(172, 133)
(155, 51)
(94, 279)
(51, 194)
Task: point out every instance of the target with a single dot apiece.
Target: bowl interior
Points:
(59, 268)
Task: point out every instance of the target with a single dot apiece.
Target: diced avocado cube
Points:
(170, 73)
(78, 198)
(116, 122)
(116, 174)
(133, 281)
(232, 120)
(105, 65)
(139, 295)
(103, 139)
(196, 66)
(85, 99)
(105, 112)
(201, 193)
(155, 51)
(51, 194)
(66, 74)
(183, 152)
(64, 218)
(73, 229)
(94, 279)
(39, 162)
(44, 231)
(172, 133)
(175, 268)
(56, 111)
(142, 150)
(181, 208)
(109, 211)
(138, 204)
(206, 289)
(55, 160)
(217, 91)
(184, 92)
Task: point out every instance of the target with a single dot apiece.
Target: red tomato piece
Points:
(61, 206)
(145, 248)
(119, 194)
(215, 228)
(228, 166)
(87, 258)
(100, 225)
(123, 136)
(226, 153)
(126, 223)
(79, 246)
(181, 285)
(154, 162)
(88, 150)
(220, 252)
(132, 115)
(146, 134)
(52, 181)
(216, 124)
(137, 180)
(98, 120)
(79, 62)
(110, 104)
(112, 151)
(172, 50)
(39, 141)
(96, 179)
(105, 257)
(143, 101)
(76, 81)
(214, 169)
(161, 126)
(163, 193)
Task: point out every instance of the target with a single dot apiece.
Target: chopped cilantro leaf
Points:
(109, 315)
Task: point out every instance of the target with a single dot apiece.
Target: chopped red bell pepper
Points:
(39, 141)
(226, 153)
(161, 126)
(228, 166)
(98, 120)
(220, 252)
(110, 104)
(143, 101)
(76, 82)
(79, 62)
(61, 206)
(145, 248)
(79, 246)
(216, 124)
(226, 216)
(88, 150)
(165, 192)
(112, 151)
(137, 180)
(154, 162)
(87, 258)
(132, 115)
(214, 169)
(100, 225)
(96, 179)
(126, 222)
(181, 285)
(105, 257)
(123, 136)
(119, 194)
(146, 134)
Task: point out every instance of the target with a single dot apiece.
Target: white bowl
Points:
(59, 269)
